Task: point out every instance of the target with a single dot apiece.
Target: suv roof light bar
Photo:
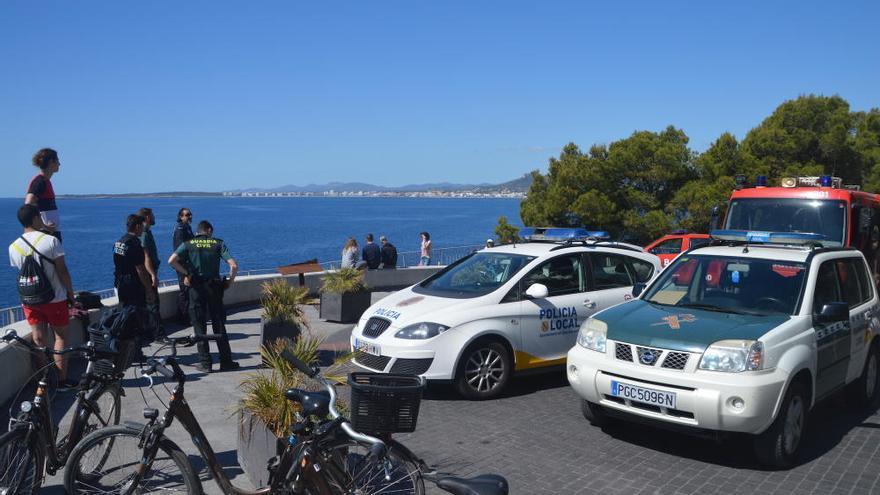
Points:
(752, 236)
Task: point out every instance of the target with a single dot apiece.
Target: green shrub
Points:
(344, 281)
(283, 303)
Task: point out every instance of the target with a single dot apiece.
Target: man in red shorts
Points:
(50, 255)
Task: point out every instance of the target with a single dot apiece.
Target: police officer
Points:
(131, 279)
(198, 259)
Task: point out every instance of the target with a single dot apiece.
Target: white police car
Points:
(745, 336)
(499, 310)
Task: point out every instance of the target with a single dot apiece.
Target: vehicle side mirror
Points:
(638, 288)
(833, 312)
(537, 291)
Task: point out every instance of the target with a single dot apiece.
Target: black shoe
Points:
(67, 386)
(230, 366)
(204, 368)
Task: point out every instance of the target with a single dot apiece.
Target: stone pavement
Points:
(537, 438)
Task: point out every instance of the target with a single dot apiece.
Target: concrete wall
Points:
(15, 360)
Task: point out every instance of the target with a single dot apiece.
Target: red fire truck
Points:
(821, 205)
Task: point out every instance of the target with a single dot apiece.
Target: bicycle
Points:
(322, 457)
(30, 448)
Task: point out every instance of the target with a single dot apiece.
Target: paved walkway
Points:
(537, 438)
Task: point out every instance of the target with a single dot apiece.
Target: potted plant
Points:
(344, 297)
(265, 414)
(283, 315)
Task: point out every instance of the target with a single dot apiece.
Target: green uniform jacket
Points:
(203, 254)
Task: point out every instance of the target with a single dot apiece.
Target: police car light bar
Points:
(795, 238)
(559, 234)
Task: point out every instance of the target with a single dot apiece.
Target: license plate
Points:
(367, 347)
(643, 395)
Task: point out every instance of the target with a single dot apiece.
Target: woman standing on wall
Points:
(425, 259)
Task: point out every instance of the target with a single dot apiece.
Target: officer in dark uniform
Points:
(182, 233)
(198, 259)
(131, 279)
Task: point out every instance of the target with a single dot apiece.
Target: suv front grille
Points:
(648, 356)
(623, 352)
(675, 360)
(375, 327)
(371, 361)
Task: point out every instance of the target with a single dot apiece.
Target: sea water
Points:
(260, 232)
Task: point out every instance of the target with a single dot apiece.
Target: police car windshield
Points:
(816, 216)
(730, 285)
(475, 275)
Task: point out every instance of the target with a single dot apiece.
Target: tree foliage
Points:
(506, 233)
(644, 185)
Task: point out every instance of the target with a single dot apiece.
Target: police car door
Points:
(549, 325)
(611, 277)
(832, 339)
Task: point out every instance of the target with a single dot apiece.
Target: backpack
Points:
(34, 286)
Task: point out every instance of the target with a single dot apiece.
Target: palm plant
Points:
(344, 281)
(283, 303)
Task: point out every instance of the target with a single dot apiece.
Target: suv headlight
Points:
(420, 331)
(733, 356)
(592, 335)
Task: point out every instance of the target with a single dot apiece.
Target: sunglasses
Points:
(188, 215)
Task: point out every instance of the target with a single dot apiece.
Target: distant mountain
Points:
(520, 185)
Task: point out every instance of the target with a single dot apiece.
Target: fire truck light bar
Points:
(796, 238)
(821, 181)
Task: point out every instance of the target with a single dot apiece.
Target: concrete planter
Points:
(256, 446)
(270, 331)
(344, 308)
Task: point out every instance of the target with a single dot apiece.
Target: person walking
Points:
(198, 259)
(350, 254)
(133, 282)
(370, 254)
(48, 252)
(425, 258)
(389, 254)
(182, 233)
(151, 263)
(40, 192)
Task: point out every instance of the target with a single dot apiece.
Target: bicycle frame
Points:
(179, 408)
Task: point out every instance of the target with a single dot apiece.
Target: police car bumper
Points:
(706, 400)
(393, 355)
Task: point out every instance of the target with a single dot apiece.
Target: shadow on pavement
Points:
(828, 423)
(516, 387)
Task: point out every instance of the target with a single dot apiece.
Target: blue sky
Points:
(160, 95)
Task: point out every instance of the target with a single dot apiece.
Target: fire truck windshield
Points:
(817, 216)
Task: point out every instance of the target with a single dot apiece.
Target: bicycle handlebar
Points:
(88, 349)
(377, 447)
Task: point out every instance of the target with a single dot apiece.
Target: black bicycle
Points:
(31, 448)
(322, 457)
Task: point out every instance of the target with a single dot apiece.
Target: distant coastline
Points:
(322, 194)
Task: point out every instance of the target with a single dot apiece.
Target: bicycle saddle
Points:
(484, 484)
(313, 403)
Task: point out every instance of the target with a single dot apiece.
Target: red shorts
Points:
(55, 314)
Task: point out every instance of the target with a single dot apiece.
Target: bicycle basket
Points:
(385, 403)
(103, 342)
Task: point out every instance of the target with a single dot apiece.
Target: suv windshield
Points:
(475, 275)
(826, 217)
(730, 285)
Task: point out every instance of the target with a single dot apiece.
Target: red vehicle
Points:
(845, 215)
(667, 247)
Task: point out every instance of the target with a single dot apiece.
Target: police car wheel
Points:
(483, 371)
(779, 445)
(594, 413)
(865, 391)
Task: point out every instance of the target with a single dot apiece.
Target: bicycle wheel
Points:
(101, 410)
(354, 472)
(21, 462)
(93, 468)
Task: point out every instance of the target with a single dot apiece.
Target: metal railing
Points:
(440, 256)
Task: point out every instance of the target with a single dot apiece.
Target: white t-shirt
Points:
(49, 247)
